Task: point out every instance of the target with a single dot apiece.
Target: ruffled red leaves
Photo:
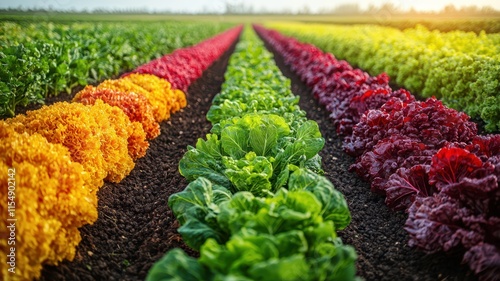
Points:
(487, 148)
(390, 154)
(450, 165)
(484, 260)
(438, 223)
(429, 121)
(465, 213)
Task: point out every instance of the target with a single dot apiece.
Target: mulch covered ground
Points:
(135, 226)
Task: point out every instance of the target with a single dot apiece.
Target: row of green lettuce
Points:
(44, 59)
(256, 206)
(460, 68)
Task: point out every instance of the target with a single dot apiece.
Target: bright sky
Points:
(219, 5)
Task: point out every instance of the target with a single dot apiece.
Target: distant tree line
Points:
(241, 7)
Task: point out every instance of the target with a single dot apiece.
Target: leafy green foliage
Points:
(334, 206)
(256, 207)
(253, 153)
(204, 161)
(215, 213)
(276, 238)
(261, 237)
(42, 59)
(255, 112)
(251, 173)
(177, 266)
(476, 25)
(196, 209)
(254, 84)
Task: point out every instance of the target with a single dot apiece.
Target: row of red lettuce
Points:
(424, 157)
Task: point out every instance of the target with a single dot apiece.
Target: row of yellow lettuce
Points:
(56, 158)
(460, 68)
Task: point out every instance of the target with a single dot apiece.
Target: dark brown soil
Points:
(135, 226)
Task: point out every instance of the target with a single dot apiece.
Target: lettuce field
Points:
(219, 151)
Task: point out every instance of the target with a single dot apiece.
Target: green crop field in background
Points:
(43, 58)
(471, 23)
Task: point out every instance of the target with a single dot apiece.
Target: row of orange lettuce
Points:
(55, 159)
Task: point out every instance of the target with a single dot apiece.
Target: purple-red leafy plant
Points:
(387, 156)
(405, 185)
(430, 122)
(464, 215)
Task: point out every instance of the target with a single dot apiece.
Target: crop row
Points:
(425, 158)
(42, 59)
(57, 157)
(459, 68)
(478, 25)
(256, 207)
